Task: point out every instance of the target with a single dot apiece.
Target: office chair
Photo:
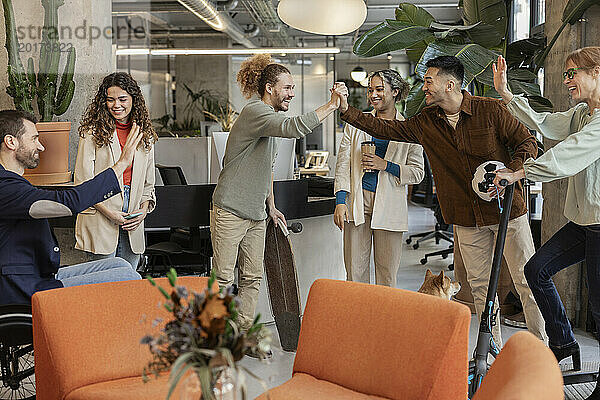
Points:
(424, 194)
(193, 241)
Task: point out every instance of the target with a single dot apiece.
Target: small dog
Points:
(440, 285)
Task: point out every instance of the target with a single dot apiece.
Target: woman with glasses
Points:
(370, 189)
(576, 157)
(115, 227)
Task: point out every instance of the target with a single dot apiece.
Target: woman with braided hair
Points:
(115, 227)
(371, 207)
(244, 192)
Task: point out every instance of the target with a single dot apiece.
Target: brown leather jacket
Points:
(485, 131)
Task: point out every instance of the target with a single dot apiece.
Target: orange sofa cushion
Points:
(303, 386)
(524, 370)
(384, 342)
(126, 388)
(88, 335)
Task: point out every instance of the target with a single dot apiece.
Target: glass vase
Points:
(224, 385)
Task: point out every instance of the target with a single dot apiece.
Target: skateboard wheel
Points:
(416, 246)
(423, 261)
(408, 240)
(451, 267)
(444, 256)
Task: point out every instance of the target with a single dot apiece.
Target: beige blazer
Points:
(93, 231)
(390, 209)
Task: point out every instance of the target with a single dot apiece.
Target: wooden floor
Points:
(579, 392)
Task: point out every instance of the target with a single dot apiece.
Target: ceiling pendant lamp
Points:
(358, 74)
(323, 17)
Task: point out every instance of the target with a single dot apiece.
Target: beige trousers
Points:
(477, 250)
(242, 240)
(387, 249)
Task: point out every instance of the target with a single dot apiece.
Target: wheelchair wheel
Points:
(16, 353)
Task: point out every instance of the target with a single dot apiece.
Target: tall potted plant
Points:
(477, 42)
(26, 87)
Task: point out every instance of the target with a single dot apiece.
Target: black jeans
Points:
(571, 244)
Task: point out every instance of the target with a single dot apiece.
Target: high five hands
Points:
(339, 94)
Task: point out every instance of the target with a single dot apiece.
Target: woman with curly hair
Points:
(245, 186)
(115, 227)
(371, 207)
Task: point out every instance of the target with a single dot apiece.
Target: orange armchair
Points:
(87, 340)
(362, 341)
(524, 370)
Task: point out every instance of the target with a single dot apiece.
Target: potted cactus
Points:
(53, 99)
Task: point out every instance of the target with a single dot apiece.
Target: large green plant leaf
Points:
(415, 100)
(522, 52)
(490, 12)
(486, 35)
(389, 36)
(415, 52)
(474, 57)
(410, 14)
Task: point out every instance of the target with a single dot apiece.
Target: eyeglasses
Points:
(570, 73)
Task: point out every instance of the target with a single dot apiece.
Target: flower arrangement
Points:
(203, 336)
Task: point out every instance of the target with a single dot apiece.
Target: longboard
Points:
(282, 283)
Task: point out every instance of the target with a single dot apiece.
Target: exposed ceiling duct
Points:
(227, 5)
(265, 16)
(218, 20)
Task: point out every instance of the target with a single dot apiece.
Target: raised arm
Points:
(279, 125)
(21, 200)
(554, 126)
(400, 131)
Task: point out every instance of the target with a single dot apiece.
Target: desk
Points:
(189, 205)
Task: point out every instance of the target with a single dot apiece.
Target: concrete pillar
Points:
(87, 26)
(573, 37)
(84, 24)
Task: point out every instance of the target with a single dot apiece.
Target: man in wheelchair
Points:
(29, 253)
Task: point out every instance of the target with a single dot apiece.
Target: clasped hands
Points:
(339, 96)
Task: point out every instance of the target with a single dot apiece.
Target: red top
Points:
(122, 132)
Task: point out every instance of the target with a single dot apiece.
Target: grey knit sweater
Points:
(245, 181)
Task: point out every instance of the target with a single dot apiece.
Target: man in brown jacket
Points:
(459, 132)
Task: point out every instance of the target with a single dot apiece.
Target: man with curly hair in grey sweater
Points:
(244, 192)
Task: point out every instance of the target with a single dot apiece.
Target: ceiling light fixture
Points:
(358, 74)
(330, 17)
(263, 50)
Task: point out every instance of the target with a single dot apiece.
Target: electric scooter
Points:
(485, 342)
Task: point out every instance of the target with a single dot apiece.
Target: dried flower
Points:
(202, 335)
